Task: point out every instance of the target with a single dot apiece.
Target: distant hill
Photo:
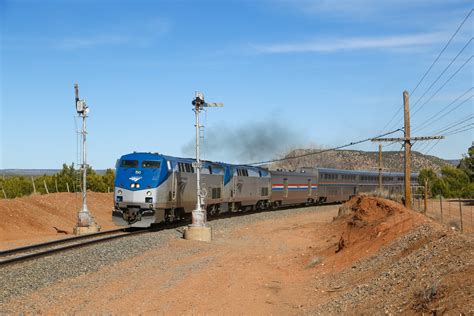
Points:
(341, 159)
(454, 162)
(35, 172)
(359, 160)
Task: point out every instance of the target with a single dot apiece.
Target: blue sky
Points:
(312, 73)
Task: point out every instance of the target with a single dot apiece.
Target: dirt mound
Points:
(366, 210)
(364, 224)
(427, 270)
(38, 218)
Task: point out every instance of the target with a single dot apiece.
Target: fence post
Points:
(34, 186)
(426, 196)
(46, 187)
(4, 194)
(67, 186)
(460, 214)
(441, 207)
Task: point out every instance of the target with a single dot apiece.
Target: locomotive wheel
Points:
(213, 210)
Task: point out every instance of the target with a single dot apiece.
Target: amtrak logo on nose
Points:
(135, 179)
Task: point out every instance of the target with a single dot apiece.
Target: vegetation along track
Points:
(43, 249)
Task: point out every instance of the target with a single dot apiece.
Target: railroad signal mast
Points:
(199, 230)
(85, 223)
(407, 139)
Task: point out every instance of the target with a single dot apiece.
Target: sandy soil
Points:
(276, 266)
(32, 219)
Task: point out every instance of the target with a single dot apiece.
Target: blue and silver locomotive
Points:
(152, 188)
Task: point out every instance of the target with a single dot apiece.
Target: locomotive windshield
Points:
(129, 163)
(151, 164)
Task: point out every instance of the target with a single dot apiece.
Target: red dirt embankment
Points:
(366, 223)
(32, 219)
(389, 259)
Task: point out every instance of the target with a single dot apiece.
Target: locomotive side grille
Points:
(216, 193)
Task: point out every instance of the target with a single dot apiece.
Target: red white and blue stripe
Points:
(293, 187)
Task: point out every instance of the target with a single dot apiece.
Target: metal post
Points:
(426, 196)
(380, 169)
(406, 106)
(34, 186)
(84, 218)
(45, 186)
(198, 215)
(85, 224)
(199, 230)
(441, 207)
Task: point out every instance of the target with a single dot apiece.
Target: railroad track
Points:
(35, 251)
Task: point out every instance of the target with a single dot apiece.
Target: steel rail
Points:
(58, 242)
(14, 259)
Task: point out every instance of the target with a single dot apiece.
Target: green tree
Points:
(467, 163)
(436, 184)
(17, 186)
(109, 178)
(67, 177)
(456, 181)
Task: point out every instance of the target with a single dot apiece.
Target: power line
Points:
(452, 125)
(325, 150)
(431, 66)
(442, 73)
(431, 148)
(460, 129)
(443, 85)
(423, 124)
(442, 51)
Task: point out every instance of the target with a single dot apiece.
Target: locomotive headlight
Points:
(148, 193)
(132, 185)
(137, 185)
(119, 192)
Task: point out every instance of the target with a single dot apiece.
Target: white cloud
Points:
(361, 8)
(328, 45)
(92, 41)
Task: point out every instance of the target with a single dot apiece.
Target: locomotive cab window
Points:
(129, 163)
(151, 164)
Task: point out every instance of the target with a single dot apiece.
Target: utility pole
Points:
(85, 223)
(425, 193)
(406, 115)
(199, 230)
(380, 169)
(407, 140)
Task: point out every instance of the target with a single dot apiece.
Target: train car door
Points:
(174, 191)
(285, 187)
(310, 187)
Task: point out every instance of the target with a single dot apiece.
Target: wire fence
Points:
(455, 213)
